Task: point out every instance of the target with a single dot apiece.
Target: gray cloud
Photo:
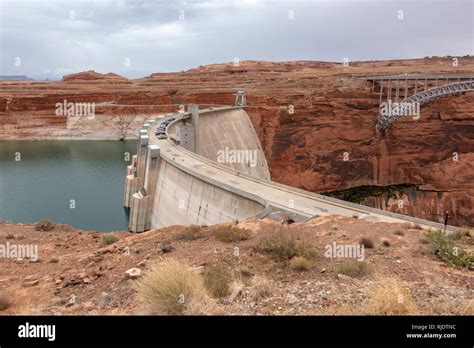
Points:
(52, 41)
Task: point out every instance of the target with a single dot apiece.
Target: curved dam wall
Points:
(161, 191)
(229, 138)
(180, 179)
(184, 198)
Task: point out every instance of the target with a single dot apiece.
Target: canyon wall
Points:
(315, 121)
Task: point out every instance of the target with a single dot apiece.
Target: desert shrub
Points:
(447, 251)
(300, 263)
(389, 296)
(386, 243)
(417, 227)
(399, 233)
(172, 288)
(367, 243)
(4, 301)
(261, 287)
(445, 305)
(217, 281)
(458, 235)
(285, 244)
(191, 232)
(44, 225)
(231, 234)
(108, 239)
(354, 269)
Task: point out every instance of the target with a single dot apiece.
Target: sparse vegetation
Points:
(261, 287)
(217, 281)
(231, 234)
(367, 243)
(170, 287)
(354, 269)
(284, 244)
(44, 225)
(108, 239)
(191, 232)
(4, 301)
(389, 296)
(399, 233)
(449, 252)
(300, 263)
(386, 243)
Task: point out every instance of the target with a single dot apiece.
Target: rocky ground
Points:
(77, 274)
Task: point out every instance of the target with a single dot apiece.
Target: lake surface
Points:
(79, 183)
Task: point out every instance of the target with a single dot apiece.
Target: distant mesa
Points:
(91, 75)
(15, 78)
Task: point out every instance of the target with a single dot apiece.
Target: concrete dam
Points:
(207, 166)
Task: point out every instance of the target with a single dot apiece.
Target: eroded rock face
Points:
(328, 143)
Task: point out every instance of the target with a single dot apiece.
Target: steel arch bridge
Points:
(407, 83)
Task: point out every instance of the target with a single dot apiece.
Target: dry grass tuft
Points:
(300, 263)
(451, 306)
(389, 296)
(172, 288)
(354, 269)
(284, 244)
(191, 232)
(261, 287)
(108, 239)
(231, 234)
(217, 281)
(44, 225)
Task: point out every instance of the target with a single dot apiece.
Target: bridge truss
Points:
(415, 89)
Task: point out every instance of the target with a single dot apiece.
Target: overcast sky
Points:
(136, 38)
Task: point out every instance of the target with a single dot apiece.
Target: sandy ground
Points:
(76, 274)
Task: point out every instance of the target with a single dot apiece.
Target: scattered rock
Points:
(198, 269)
(142, 263)
(344, 277)
(88, 306)
(103, 300)
(291, 299)
(133, 273)
(31, 283)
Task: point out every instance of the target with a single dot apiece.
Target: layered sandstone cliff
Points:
(328, 143)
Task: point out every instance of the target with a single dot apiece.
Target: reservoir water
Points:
(73, 182)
